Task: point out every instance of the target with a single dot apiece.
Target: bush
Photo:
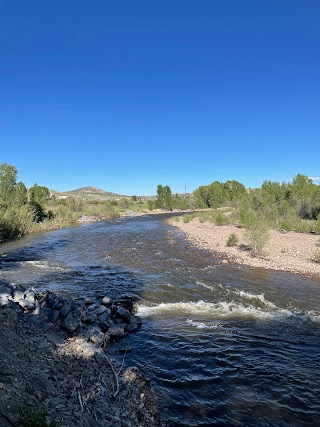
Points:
(232, 240)
(33, 416)
(257, 232)
(186, 218)
(220, 218)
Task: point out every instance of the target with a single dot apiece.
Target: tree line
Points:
(279, 205)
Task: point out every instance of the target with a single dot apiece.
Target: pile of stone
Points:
(98, 321)
(51, 354)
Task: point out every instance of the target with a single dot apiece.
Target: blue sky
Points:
(125, 95)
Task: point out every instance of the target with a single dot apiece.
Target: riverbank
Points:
(289, 251)
(69, 375)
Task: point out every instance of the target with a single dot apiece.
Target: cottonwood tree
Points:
(164, 197)
(8, 184)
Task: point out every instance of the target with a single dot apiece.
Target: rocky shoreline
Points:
(53, 353)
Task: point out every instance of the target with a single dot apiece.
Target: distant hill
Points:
(92, 193)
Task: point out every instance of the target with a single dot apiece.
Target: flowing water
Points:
(224, 345)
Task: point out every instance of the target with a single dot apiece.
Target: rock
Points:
(71, 323)
(105, 322)
(18, 295)
(123, 313)
(5, 288)
(106, 301)
(98, 338)
(282, 231)
(4, 300)
(103, 309)
(53, 301)
(30, 294)
(27, 305)
(135, 322)
(77, 308)
(89, 318)
(65, 309)
(116, 332)
(53, 315)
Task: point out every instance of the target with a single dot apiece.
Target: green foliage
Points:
(216, 194)
(219, 218)
(257, 231)
(8, 184)
(164, 198)
(232, 240)
(21, 194)
(186, 218)
(150, 205)
(37, 211)
(38, 194)
(33, 416)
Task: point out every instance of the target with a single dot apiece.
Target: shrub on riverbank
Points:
(232, 240)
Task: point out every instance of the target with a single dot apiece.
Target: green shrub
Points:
(257, 232)
(232, 240)
(33, 416)
(186, 219)
(220, 218)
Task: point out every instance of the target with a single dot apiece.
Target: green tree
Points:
(21, 194)
(234, 190)
(39, 194)
(8, 184)
(164, 197)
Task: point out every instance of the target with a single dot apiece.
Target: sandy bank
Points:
(284, 251)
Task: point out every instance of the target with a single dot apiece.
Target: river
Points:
(224, 345)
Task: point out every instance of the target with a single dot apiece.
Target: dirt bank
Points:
(284, 251)
(75, 381)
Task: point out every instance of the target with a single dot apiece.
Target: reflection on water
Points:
(223, 344)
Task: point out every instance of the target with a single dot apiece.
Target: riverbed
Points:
(223, 344)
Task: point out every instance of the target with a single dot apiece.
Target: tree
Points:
(164, 197)
(234, 190)
(305, 196)
(39, 194)
(21, 194)
(8, 183)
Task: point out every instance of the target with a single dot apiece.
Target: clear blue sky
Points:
(128, 94)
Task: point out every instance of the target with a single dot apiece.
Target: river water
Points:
(224, 345)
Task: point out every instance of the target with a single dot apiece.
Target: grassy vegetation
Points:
(217, 216)
(33, 416)
(232, 240)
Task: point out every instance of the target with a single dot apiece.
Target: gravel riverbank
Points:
(289, 251)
